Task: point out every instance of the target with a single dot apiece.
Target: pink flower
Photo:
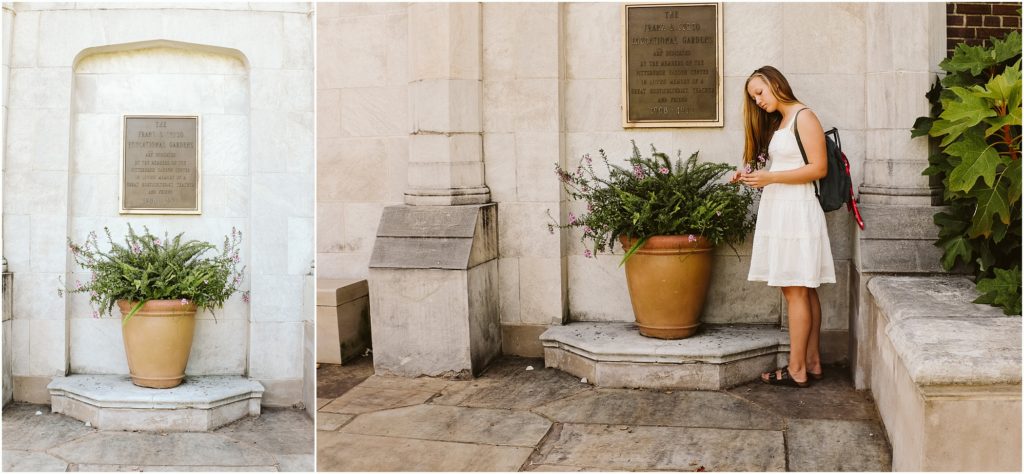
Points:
(691, 238)
(156, 242)
(184, 301)
(747, 169)
(572, 218)
(638, 171)
(587, 253)
(95, 314)
(587, 158)
(663, 170)
(587, 229)
(245, 296)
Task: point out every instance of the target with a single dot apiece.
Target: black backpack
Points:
(836, 188)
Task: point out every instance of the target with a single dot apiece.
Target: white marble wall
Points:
(363, 128)
(168, 81)
(247, 70)
(524, 136)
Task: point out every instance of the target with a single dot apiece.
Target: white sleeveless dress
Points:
(791, 246)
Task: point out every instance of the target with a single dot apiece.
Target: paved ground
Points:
(278, 440)
(515, 419)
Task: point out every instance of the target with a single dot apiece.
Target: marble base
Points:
(112, 402)
(616, 355)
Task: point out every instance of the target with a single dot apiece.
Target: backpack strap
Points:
(796, 132)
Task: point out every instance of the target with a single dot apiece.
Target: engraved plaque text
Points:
(672, 65)
(161, 165)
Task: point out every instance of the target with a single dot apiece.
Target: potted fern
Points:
(667, 216)
(158, 285)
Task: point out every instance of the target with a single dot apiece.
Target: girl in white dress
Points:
(791, 248)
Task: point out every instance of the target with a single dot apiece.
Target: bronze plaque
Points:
(160, 167)
(672, 65)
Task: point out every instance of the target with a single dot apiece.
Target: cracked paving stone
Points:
(353, 452)
(657, 408)
(645, 448)
(361, 400)
(446, 423)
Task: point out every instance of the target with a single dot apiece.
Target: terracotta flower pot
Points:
(157, 340)
(668, 281)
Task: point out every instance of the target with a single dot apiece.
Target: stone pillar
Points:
(445, 147)
(8, 341)
(905, 43)
(433, 273)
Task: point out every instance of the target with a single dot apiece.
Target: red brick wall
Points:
(974, 23)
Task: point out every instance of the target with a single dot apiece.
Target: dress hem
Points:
(804, 283)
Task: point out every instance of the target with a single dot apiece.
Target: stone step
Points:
(113, 402)
(614, 354)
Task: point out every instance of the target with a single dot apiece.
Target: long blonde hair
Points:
(759, 124)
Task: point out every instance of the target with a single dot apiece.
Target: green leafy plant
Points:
(656, 197)
(148, 268)
(976, 115)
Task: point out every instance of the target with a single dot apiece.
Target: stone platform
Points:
(616, 355)
(112, 402)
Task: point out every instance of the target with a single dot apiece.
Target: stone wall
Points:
(974, 23)
(551, 92)
(247, 71)
(363, 128)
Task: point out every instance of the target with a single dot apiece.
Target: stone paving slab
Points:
(278, 442)
(296, 463)
(662, 408)
(31, 461)
(445, 423)
(644, 448)
(830, 398)
(130, 468)
(331, 421)
(353, 452)
(509, 385)
(270, 420)
(332, 380)
(156, 449)
(424, 384)
(320, 402)
(39, 432)
(365, 399)
(825, 445)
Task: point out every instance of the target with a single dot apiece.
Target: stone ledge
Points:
(616, 355)
(906, 297)
(942, 337)
(945, 375)
(112, 402)
(959, 351)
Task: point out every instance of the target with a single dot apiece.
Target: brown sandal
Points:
(816, 376)
(785, 380)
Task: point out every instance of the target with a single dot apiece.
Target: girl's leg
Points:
(799, 331)
(814, 341)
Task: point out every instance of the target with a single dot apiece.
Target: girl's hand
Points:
(757, 179)
(736, 176)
